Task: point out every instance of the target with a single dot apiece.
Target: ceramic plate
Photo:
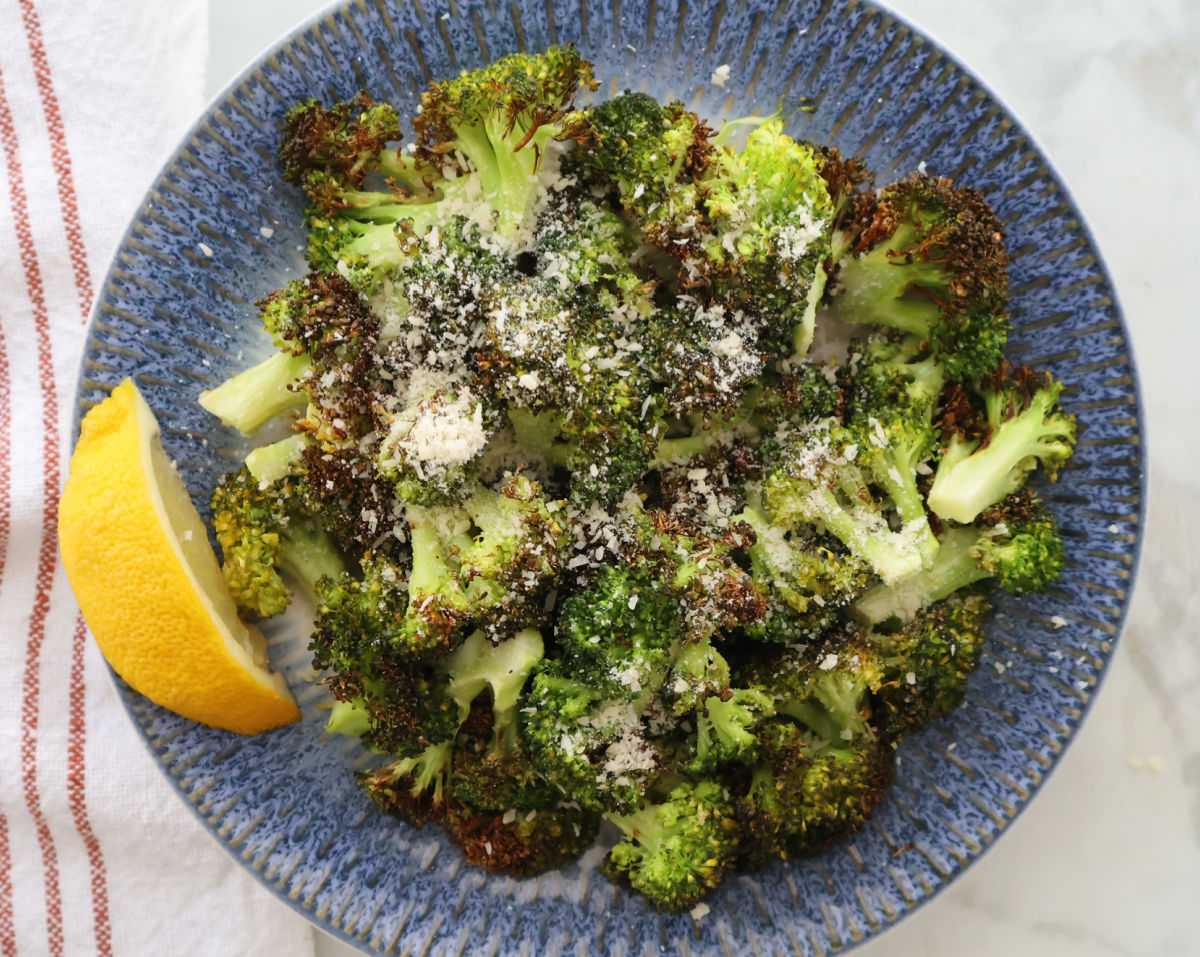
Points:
(219, 229)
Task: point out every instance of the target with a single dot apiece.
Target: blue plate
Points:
(219, 229)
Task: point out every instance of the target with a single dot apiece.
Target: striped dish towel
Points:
(97, 854)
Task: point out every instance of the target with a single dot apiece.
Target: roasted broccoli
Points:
(640, 470)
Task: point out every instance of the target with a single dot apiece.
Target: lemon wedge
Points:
(148, 583)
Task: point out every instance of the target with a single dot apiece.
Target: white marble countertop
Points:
(1106, 860)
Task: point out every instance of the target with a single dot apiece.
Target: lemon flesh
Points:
(148, 583)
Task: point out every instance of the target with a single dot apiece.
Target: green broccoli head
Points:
(840, 790)
(619, 634)
(592, 746)
(929, 260)
(677, 851)
(927, 660)
(343, 141)
(323, 327)
(265, 534)
(825, 687)
(896, 375)
(806, 584)
(432, 448)
(414, 788)
(725, 730)
(521, 843)
(650, 152)
(990, 456)
(771, 218)
(1020, 544)
(819, 480)
(770, 810)
(522, 537)
(501, 119)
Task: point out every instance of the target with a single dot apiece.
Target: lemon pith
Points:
(147, 581)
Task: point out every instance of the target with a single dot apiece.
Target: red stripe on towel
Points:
(76, 765)
(31, 683)
(8, 931)
(77, 793)
(60, 155)
(5, 454)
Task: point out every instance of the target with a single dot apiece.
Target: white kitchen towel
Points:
(97, 854)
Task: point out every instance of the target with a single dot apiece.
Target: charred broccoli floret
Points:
(266, 534)
(929, 260)
(1021, 426)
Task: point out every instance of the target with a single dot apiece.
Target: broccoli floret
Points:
(521, 843)
(577, 393)
(769, 812)
(1021, 426)
(502, 119)
(772, 215)
(414, 788)
(885, 373)
(522, 537)
(592, 746)
(927, 661)
(1020, 544)
(841, 789)
(725, 729)
(929, 260)
(431, 450)
(808, 391)
(491, 779)
(1020, 548)
(344, 141)
(395, 705)
(849, 762)
(620, 634)
(806, 584)
(584, 249)
(651, 153)
(820, 481)
(320, 323)
(677, 851)
(417, 787)
(480, 140)
(265, 535)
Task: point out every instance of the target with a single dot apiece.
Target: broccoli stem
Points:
(348, 718)
(802, 332)
(430, 570)
(954, 567)
(272, 462)
(890, 554)
(309, 554)
(478, 664)
(970, 479)
(429, 769)
(876, 286)
(254, 397)
(833, 708)
(537, 432)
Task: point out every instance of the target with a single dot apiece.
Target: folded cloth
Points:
(97, 853)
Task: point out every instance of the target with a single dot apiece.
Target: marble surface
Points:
(1106, 860)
